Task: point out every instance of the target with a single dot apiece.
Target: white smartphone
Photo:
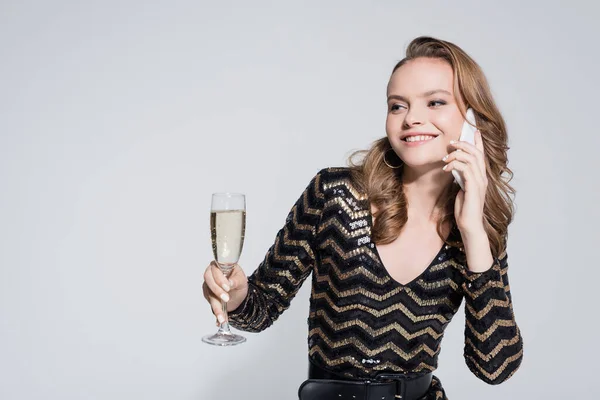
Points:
(467, 135)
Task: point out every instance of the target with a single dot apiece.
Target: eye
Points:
(437, 103)
(395, 107)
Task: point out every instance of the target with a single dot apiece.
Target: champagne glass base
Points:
(224, 339)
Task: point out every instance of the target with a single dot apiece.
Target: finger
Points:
(467, 172)
(206, 291)
(220, 277)
(214, 287)
(215, 304)
(217, 309)
(471, 149)
(465, 146)
(237, 277)
(468, 159)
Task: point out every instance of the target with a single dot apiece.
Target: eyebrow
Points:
(426, 94)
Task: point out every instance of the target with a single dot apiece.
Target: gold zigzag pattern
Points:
(346, 254)
(351, 340)
(360, 270)
(374, 296)
(379, 313)
(286, 274)
(500, 369)
(316, 191)
(503, 272)
(344, 206)
(484, 288)
(367, 368)
(429, 302)
(497, 323)
(333, 221)
(277, 256)
(376, 332)
(337, 169)
(300, 243)
(437, 284)
(272, 286)
(298, 225)
(317, 185)
(440, 266)
(488, 357)
(492, 303)
(357, 290)
(345, 183)
(439, 395)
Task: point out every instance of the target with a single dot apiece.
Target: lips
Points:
(404, 136)
(419, 143)
(427, 138)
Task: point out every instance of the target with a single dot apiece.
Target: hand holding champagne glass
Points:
(227, 227)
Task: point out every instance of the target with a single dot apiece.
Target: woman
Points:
(394, 245)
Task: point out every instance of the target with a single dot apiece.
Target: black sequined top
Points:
(362, 322)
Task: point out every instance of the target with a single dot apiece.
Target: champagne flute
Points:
(227, 230)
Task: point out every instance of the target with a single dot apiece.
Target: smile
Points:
(418, 140)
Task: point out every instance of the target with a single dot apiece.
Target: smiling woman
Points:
(394, 245)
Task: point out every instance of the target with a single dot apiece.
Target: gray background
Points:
(118, 119)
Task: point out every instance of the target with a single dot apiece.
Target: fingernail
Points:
(226, 287)
(230, 283)
(220, 318)
(445, 157)
(452, 141)
(225, 297)
(444, 168)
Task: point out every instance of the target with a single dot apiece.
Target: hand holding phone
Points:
(467, 135)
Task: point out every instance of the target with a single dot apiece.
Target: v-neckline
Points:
(380, 261)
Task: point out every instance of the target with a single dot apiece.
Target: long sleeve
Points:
(288, 262)
(493, 344)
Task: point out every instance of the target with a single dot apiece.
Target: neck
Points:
(423, 186)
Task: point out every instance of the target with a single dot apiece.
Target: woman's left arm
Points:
(493, 344)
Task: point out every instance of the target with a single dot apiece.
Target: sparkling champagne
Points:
(227, 230)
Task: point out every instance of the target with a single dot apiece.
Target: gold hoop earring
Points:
(387, 163)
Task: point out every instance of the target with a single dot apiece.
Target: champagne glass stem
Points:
(224, 327)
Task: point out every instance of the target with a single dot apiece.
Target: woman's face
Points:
(421, 100)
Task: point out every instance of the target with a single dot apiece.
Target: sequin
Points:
(361, 321)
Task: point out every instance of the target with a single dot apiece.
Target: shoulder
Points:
(333, 173)
(339, 180)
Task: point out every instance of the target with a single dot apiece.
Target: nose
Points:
(413, 118)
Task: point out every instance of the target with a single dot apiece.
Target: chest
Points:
(411, 253)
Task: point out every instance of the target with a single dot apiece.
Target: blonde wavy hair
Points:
(383, 185)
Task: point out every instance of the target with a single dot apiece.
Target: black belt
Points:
(324, 385)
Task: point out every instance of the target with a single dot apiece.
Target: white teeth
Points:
(419, 138)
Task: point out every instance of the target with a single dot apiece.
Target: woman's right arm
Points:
(258, 301)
